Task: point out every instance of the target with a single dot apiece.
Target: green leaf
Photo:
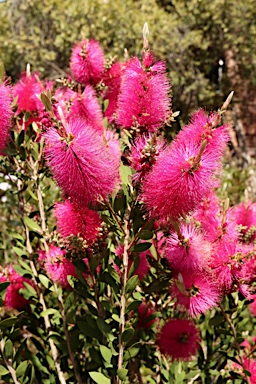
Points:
(131, 284)
(247, 373)
(106, 353)
(116, 317)
(32, 225)
(141, 247)
(30, 289)
(26, 117)
(20, 270)
(50, 311)
(3, 371)
(105, 104)
(46, 101)
(35, 360)
(120, 202)
(146, 235)
(103, 326)
(8, 349)
(158, 284)
(45, 281)
(32, 195)
(3, 286)
(4, 324)
(125, 173)
(2, 71)
(19, 252)
(131, 352)
(216, 320)
(99, 378)
(89, 330)
(133, 305)
(134, 266)
(122, 373)
(128, 334)
(20, 371)
(25, 266)
(32, 374)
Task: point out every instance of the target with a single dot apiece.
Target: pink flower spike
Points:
(5, 115)
(86, 107)
(144, 102)
(28, 90)
(87, 62)
(81, 163)
(144, 314)
(112, 79)
(189, 250)
(57, 267)
(180, 179)
(195, 291)
(229, 263)
(144, 153)
(179, 339)
(73, 219)
(245, 216)
(13, 299)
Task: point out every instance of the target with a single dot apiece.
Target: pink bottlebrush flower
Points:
(144, 265)
(249, 344)
(81, 163)
(182, 176)
(64, 98)
(195, 291)
(179, 339)
(213, 221)
(5, 115)
(252, 306)
(144, 153)
(86, 107)
(13, 299)
(202, 127)
(73, 219)
(229, 264)
(249, 263)
(87, 62)
(113, 144)
(28, 88)
(112, 79)
(188, 250)
(143, 103)
(245, 216)
(57, 267)
(145, 312)
(249, 365)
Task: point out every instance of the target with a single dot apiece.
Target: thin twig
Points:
(8, 364)
(71, 353)
(123, 296)
(237, 345)
(46, 317)
(115, 215)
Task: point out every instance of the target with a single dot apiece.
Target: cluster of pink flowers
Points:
(208, 246)
(13, 298)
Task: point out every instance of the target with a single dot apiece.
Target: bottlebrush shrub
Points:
(120, 262)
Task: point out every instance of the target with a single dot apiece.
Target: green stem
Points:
(237, 345)
(123, 296)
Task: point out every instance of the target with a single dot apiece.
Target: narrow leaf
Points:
(131, 284)
(32, 225)
(99, 378)
(106, 353)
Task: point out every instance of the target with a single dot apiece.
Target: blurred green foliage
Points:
(192, 36)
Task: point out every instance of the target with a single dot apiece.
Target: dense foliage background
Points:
(73, 335)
